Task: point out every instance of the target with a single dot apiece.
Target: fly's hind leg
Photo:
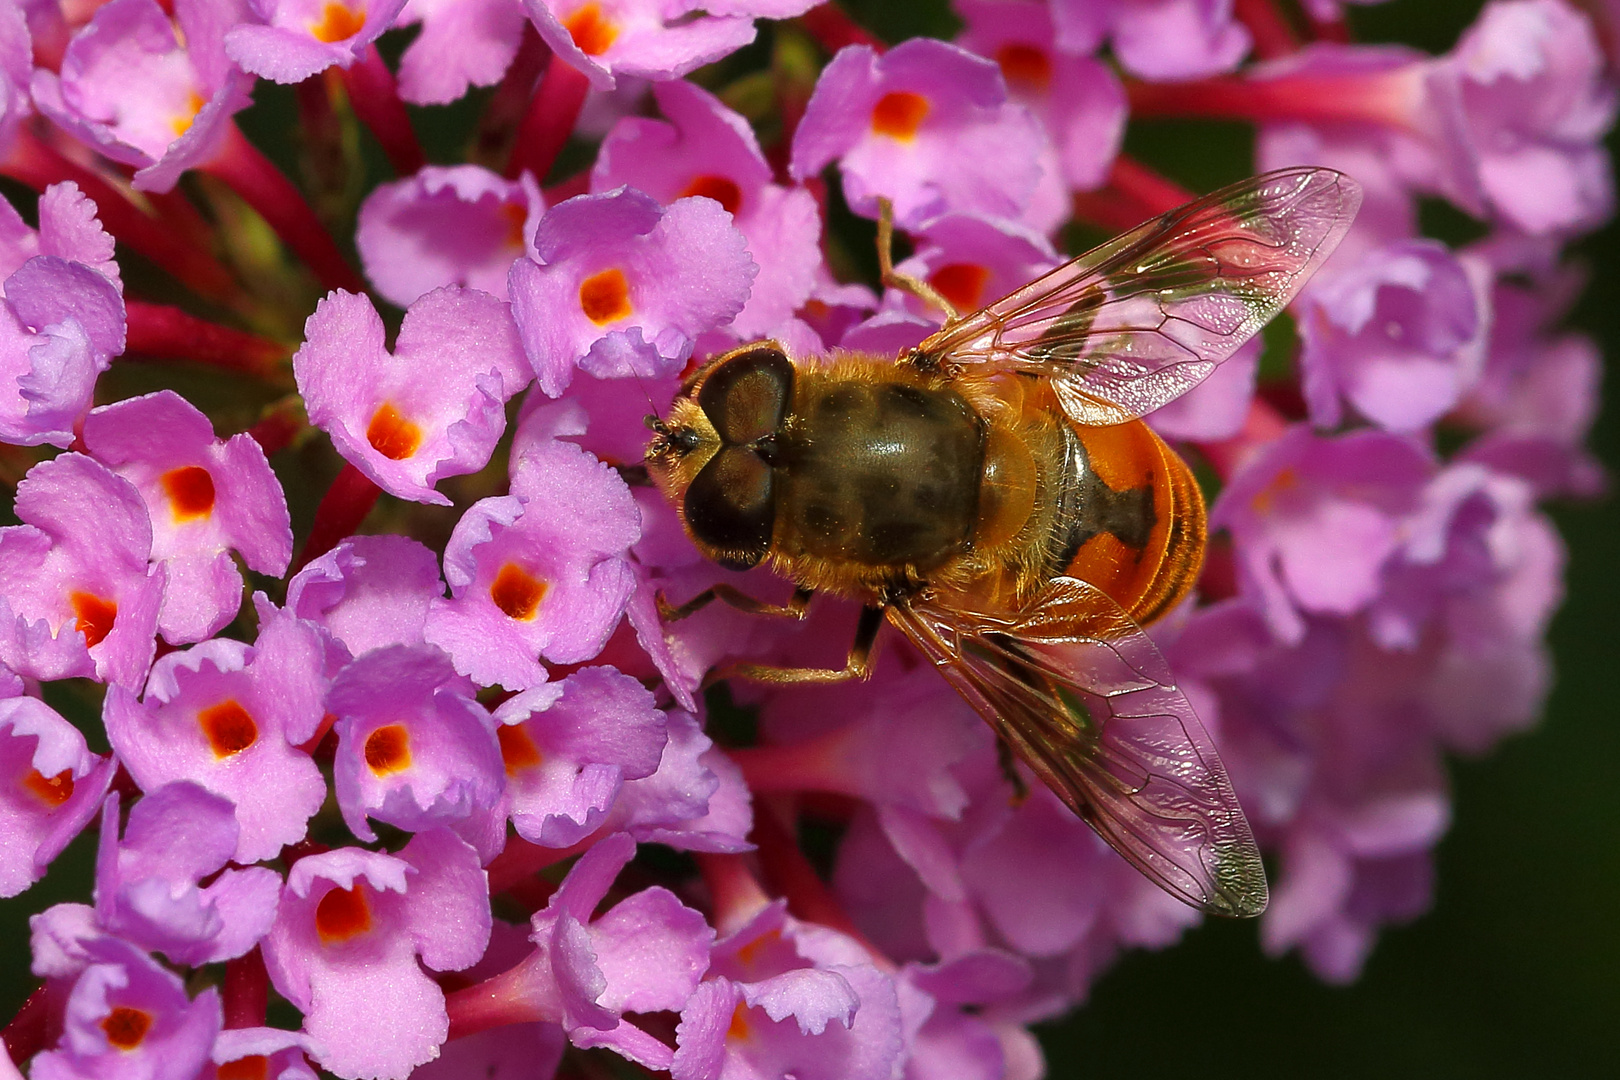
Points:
(905, 282)
(794, 608)
(1009, 769)
(858, 666)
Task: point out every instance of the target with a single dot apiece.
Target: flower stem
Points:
(1272, 33)
(1134, 193)
(833, 28)
(818, 764)
(34, 163)
(552, 113)
(343, 507)
(158, 331)
(246, 991)
(262, 186)
(497, 127)
(521, 859)
(30, 1030)
(791, 875)
(735, 893)
(496, 1002)
(374, 96)
(1391, 98)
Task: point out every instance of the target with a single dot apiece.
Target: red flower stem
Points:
(735, 895)
(833, 29)
(158, 331)
(280, 425)
(1154, 193)
(522, 859)
(36, 164)
(818, 764)
(1134, 193)
(1333, 28)
(375, 97)
(262, 186)
(791, 875)
(1272, 33)
(246, 991)
(30, 1030)
(497, 128)
(552, 113)
(1261, 427)
(342, 509)
(498, 1001)
(1390, 98)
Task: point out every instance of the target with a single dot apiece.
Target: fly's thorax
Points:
(881, 469)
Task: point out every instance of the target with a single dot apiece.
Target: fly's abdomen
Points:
(879, 473)
(1131, 518)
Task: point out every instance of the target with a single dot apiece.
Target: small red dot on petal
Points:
(190, 489)
(1025, 66)
(961, 283)
(53, 791)
(899, 113)
(228, 727)
(517, 592)
(338, 23)
(94, 616)
(252, 1067)
(126, 1028)
(391, 435)
(517, 749)
(341, 915)
(388, 749)
(591, 31)
(605, 297)
(719, 188)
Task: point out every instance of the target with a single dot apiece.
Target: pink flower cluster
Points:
(448, 784)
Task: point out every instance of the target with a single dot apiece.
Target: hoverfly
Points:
(994, 493)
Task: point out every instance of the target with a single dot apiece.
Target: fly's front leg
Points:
(905, 282)
(794, 608)
(858, 666)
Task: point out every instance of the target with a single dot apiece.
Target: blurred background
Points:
(1515, 972)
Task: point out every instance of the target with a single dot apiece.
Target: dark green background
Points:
(1516, 971)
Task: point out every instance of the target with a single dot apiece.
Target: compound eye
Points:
(747, 396)
(730, 506)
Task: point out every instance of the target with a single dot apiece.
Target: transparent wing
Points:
(1087, 701)
(1142, 319)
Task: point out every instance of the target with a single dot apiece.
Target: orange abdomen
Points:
(1152, 558)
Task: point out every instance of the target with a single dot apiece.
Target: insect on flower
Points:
(996, 495)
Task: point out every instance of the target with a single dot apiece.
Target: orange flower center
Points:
(190, 489)
(517, 592)
(391, 435)
(516, 215)
(517, 749)
(342, 914)
(388, 749)
(718, 188)
(126, 1028)
(605, 297)
(181, 122)
(338, 23)
(93, 616)
(593, 32)
(738, 1030)
(1025, 66)
(961, 283)
(228, 727)
(898, 114)
(53, 791)
(252, 1067)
